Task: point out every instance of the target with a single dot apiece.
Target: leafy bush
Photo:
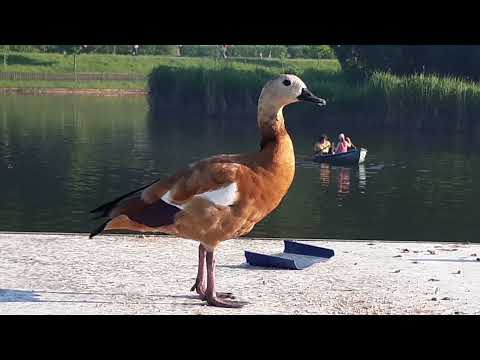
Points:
(452, 60)
(199, 50)
(311, 51)
(170, 50)
(252, 51)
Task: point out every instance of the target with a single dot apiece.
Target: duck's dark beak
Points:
(306, 95)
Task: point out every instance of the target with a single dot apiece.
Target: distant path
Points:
(73, 91)
(71, 274)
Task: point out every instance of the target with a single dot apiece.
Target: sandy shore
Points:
(71, 274)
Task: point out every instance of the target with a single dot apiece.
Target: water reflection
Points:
(362, 177)
(325, 173)
(344, 181)
(343, 178)
(82, 151)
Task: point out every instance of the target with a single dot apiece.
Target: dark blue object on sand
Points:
(296, 256)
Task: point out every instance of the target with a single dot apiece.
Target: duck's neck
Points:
(276, 148)
(272, 126)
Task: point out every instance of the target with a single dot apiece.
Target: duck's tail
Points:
(99, 229)
(106, 208)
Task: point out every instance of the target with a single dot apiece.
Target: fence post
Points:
(5, 55)
(75, 65)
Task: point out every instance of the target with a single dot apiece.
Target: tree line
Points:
(357, 61)
(450, 60)
(274, 51)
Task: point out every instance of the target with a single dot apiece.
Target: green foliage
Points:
(105, 49)
(417, 95)
(422, 101)
(320, 52)
(5, 49)
(26, 48)
(311, 51)
(93, 62)
(170, 50)
(219, 83)
(451, 60)
(67, 49)
(410, 96)
(113, 49)
(242, 74)
(199, 50)
(137, 85)
(254, 51)
(247, 51)
(275, 51)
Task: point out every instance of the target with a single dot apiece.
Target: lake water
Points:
(60, 156)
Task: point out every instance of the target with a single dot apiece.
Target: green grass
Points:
(237, 71)
(58, 63)
(415, 88)
(143, 64)
(238, 74)
(75, 85)
(429, 96)
(206, 79)
(421, 101)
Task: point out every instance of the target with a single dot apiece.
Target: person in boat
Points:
(342, 145)
(323, 146)
(350, 144)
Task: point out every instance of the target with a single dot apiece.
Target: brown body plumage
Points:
(221, 197)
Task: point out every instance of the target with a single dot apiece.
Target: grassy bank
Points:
(59, 63)
(384, 100)
(142, 64)
(240, 69)
(432, 101)
(235, 84)
(75, 85)
(416, 101)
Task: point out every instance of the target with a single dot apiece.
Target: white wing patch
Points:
(167, 197)
(225, 196)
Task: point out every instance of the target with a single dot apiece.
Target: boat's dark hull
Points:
(352, 157)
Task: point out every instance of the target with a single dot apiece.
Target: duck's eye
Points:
(286, 82)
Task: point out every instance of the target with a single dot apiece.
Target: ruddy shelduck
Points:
(221, 197)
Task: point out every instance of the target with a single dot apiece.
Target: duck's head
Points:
(287, 89)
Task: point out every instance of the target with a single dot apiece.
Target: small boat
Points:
(352, 157)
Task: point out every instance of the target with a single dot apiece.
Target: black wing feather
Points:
(99, 229)
(105, 208)
(157, 214)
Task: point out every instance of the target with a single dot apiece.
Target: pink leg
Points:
(212, 296)
(200, 283)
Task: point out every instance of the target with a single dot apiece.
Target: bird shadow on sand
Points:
(246, 266)
(34, 296)
(449, 260)
(188, 297)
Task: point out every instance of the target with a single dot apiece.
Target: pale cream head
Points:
(279, 92)
(283, 90)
